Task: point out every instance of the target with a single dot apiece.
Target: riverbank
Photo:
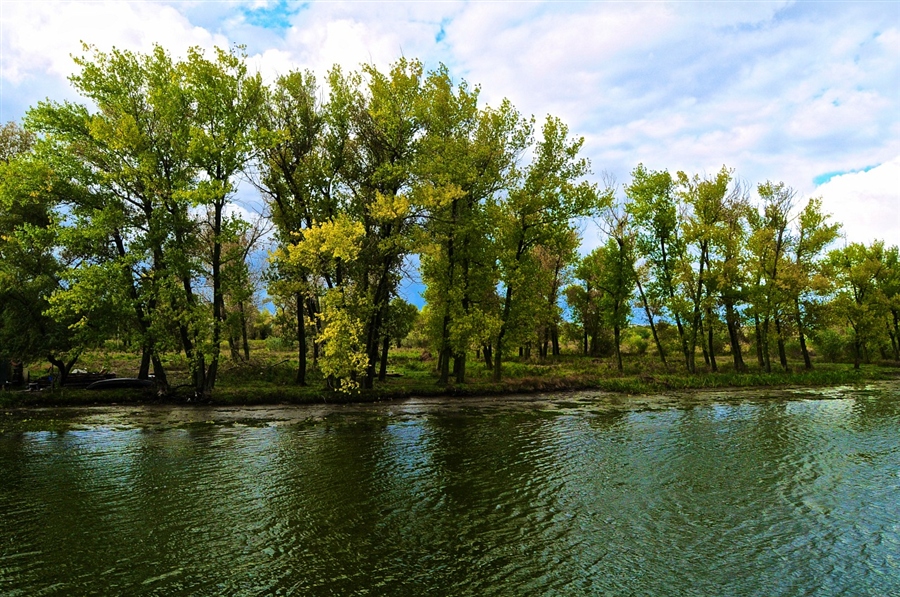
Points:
(261, 385)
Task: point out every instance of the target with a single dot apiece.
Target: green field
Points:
(269, 377)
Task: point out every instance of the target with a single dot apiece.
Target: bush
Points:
(277, 344)
(833, 346)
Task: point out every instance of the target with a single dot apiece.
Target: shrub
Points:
(833, 346)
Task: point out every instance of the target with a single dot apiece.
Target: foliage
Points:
(116, 225)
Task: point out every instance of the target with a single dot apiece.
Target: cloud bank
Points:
(784, 91)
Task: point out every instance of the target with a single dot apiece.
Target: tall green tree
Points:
(166, 138)
(728, 271)
(466, 157)
(706, 201)
(35, 265)
(225, 102)
(653, 206)
(813, 236)
(551, 194)
(770, 247)
(132, 156)
(297, 173)
(386, 126)
(858, 271)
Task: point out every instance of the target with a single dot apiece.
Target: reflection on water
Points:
(553, 496)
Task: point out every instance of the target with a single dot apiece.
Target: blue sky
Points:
(802, 92)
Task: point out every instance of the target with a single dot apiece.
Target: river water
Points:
(788, 492)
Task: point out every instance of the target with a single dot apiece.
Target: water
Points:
(783, 493)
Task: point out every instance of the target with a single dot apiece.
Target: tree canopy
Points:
(118, 220)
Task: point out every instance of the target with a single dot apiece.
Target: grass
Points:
(269, 378)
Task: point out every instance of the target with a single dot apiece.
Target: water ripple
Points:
(739, 497)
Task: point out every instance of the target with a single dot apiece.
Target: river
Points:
(763, 492)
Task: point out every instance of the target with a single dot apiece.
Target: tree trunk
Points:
(765, 345)
(444, 356)
(659, 348)
(301, 340)
(488, 356)
(896, 335)
(731, 321)
(497, 375)
(385, 347)
(807, 362)
(159, 375)
(144, 371)
(233, 346)
(376, 322)
(63, 367)
(498, 358)
(209, 380)
(311, 310)
(616, 333)
(759, 343)
(782, 354)
(244, 337)
(709, 332)
(147, 344)
(688, 357)
(459, 365)
(682, 335)
(704, 349)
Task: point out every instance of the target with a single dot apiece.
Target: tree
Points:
(858, 272)
(225, 102)
(727, 268)
(770, 244)
(132, 157)
(610, 270)
(297, 170)
(238, 281)
(14, 141)
(706, 201)
(354, 177)
(32, 267)
(386, 125)
(402, 317)
(465, 158)
(325, 247)
(554, 260)
(814, 234)
(653, 206)
(889, 285)
(541, 207)
(166, 138)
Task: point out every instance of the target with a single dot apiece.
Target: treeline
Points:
(116, 221)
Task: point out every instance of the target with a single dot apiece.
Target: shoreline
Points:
(595, 403)
(284, 395)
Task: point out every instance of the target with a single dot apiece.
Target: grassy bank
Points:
(268, 378)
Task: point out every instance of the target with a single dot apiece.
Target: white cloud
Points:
(777, 90)
(39, 38)
(866, 203)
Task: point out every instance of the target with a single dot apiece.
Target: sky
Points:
(807, 93)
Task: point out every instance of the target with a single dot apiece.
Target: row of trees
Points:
(115, 220)
(698, 254)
